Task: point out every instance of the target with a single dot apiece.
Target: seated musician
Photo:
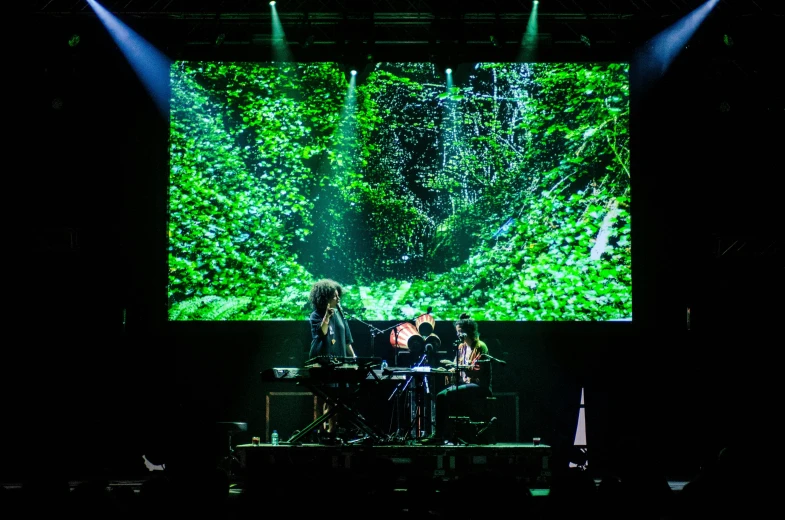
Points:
(470, 386)
(330, 334)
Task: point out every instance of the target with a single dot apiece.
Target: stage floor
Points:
(527, 462)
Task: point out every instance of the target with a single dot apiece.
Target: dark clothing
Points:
(466, 398)
(483, 376)
(334, 343)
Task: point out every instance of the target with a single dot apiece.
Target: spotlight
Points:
(74, 40)
(727, 40)
(219, 39)
(448, 70)
(585, 40)
(351, 71)
(272, 2)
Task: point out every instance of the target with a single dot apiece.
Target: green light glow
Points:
(505, 195)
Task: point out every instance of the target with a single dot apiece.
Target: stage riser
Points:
(528, 464)
(289, 410)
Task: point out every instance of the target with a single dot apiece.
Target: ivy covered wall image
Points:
(502, 191)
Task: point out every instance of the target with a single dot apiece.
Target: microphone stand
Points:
(497, 360)
(374, 330)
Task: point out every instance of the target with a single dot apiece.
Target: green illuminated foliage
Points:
(506, 196)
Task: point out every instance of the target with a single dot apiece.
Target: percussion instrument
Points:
(406, 337)
(425, 324)
(432, 342)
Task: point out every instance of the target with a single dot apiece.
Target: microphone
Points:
(429, 310)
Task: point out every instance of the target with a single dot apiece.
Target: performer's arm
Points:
(326, 320)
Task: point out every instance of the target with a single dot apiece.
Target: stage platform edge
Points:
(526, 462)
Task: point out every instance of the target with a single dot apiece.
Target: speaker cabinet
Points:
(504, 406)
(289, 412)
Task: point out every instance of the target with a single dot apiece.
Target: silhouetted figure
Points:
(728, 487)
(484, 494)
(573, 494)
(92, 499)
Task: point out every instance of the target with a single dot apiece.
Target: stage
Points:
(525, 462)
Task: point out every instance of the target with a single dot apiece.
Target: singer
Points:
(330, 336)
(466, 396)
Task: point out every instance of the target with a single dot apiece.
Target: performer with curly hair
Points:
(330, 334)
(330, 337)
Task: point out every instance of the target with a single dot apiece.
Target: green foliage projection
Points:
(505, 195)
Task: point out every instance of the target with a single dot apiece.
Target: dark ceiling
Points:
(411, 22)
(290, 8)
(727, 77)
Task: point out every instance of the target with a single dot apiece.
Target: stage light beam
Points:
(657, 54)
(529, 41)
(281, 52)
(150, 65)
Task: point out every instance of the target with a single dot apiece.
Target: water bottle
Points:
(274, 438)
(384, 364)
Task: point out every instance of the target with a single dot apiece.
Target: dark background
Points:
(97, 376)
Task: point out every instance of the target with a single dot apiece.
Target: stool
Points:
(475, 428)
(230, 428)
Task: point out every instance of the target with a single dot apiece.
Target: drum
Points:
(425, 324)
(432, 343)
(405, 336)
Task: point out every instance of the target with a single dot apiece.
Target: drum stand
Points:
(420, 389)
(419, 421)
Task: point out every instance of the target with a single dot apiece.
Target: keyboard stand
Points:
(338, 406)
